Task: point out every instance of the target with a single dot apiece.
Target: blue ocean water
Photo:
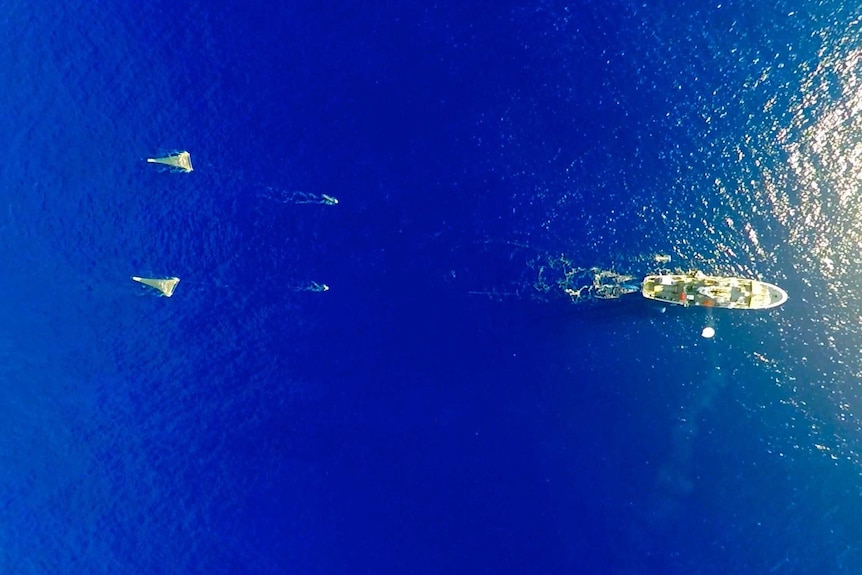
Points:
(444, 407)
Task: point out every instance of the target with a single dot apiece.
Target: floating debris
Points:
(708, 332)
(166, 286)
(181, 161)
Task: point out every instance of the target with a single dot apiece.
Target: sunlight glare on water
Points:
(761, 153)
(804, 186)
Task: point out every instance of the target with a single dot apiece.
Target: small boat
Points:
(182, 161)
(698, 289)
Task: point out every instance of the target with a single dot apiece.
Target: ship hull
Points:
(699, 289)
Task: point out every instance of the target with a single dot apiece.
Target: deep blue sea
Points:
(444, 407)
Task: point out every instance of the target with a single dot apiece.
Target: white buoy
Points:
(707, 332)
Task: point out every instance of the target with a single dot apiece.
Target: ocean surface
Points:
(444, 407)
